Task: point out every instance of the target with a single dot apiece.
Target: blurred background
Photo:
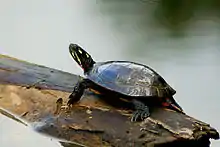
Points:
(178, 38)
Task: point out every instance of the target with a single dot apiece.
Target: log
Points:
(34, 93)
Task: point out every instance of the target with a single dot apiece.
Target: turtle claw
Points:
(73, 98)
(135, 116)
(145, 113)
(69, 103)
(140, 115)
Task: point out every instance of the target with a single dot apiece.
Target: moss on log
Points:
(31, 91)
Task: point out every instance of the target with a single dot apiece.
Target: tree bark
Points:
(31, 91)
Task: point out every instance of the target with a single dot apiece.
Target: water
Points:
(19, 135)
(40, 32)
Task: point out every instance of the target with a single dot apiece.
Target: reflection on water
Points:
(14, 134)
(187, 55)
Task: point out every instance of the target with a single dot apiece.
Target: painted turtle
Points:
(132, 81)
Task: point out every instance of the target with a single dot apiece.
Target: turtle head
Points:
(81, 57)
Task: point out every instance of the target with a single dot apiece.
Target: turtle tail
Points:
(173, 105)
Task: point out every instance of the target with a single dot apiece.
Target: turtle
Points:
(137, 83)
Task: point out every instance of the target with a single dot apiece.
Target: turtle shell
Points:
(129, 78)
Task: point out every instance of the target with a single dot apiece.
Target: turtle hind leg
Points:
(142, 111)
(78, 91)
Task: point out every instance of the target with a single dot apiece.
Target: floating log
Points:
(34, 93)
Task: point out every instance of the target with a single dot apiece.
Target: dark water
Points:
(185, 54)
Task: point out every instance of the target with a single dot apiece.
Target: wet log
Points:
(31, 91)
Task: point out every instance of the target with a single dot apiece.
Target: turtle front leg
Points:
(78, 92)
(142, 111)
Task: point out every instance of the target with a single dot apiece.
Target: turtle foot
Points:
(142, 111)
(140, 115)
(70, 102)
